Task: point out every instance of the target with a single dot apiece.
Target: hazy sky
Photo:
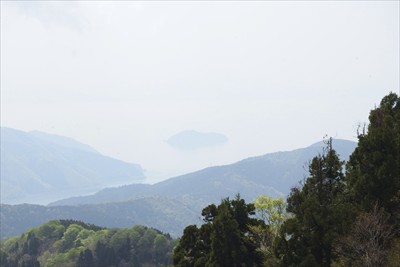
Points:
(125, 76)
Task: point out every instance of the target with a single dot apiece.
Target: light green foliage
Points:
(75, 243)
(120, 239)
(63, 259)
(271, 211)
(83, 237)
(70, 235)
(134, 235)
(10, 243)
(52, 229)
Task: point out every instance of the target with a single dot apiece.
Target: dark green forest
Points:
(342, 214)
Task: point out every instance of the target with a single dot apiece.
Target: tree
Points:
(227, 248)
(271, 211)
(319, 214)
(225, 239)
(373, 171)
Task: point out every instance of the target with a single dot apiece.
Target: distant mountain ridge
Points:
(38, 167)
(169, 215)
(271, 174)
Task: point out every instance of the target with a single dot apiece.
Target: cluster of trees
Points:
(225, 239)
(233, 234)
(334, 218)
(74, 243)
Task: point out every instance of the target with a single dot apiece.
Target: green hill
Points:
(74, 243)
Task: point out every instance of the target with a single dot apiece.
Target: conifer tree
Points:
(319, 214)
(373, 171)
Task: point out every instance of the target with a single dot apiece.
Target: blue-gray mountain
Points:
(173, 204)
(38, 168)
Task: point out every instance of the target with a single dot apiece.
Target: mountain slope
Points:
(38, 167)
(165, 214)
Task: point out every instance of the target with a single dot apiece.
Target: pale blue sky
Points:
(125, 76)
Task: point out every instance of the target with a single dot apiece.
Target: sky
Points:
(125, 76)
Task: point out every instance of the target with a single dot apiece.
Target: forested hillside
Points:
(74, 243)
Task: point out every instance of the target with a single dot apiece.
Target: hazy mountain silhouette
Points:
(37, 168)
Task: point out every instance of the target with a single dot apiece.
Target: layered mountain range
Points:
(271, 174)
(173, 204)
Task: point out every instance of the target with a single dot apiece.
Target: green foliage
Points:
(53, 229)
(74, 243)
(70, 236)
(224, 240)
